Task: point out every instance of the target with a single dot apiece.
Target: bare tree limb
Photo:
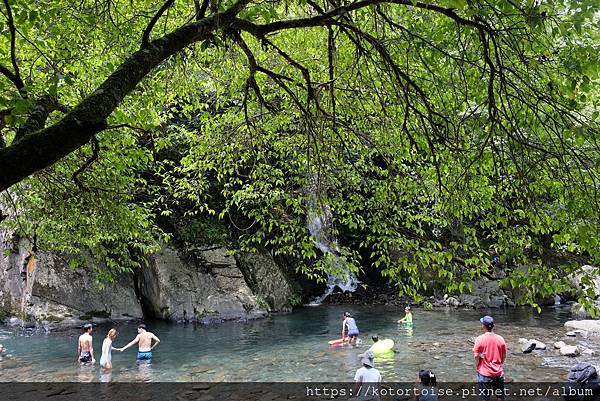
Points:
(329, 16)
(10, 75)
(251, 81)
(13, 56)
(88, 163)
(201, 9)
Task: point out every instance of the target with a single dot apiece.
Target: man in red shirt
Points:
(489, 352)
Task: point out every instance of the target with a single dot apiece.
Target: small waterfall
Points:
(319, 225)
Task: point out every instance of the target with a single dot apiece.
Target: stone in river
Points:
(539, 344)
(559, 344)
(530, 345)
(588, 352)
(592, 326)
(569, 350)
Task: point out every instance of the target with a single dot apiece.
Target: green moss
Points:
(295, 298)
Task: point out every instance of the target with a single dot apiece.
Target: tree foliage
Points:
(438, 134)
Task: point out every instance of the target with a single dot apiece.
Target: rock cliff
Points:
(207, 288)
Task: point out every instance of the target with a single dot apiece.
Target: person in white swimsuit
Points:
(107, 348)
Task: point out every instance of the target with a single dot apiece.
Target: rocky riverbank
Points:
(44, 291)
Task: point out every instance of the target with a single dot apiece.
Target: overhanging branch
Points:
(42, 148)
(153, 21)
(37, 119)
(16, 76)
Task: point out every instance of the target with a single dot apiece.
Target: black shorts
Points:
(85, 357)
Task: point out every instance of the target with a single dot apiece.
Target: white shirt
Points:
(367, 376)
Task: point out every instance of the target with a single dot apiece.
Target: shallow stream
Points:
(294, 347)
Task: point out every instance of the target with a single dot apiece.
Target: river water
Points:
(294, 347)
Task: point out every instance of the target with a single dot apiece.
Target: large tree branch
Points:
(45, 147)
(327, 17)
(37, 119)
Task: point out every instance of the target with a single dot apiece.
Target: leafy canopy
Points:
(437, 134)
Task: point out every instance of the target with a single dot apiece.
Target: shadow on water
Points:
(294, 347)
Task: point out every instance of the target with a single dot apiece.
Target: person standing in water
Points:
(107, 348)
(427, 386)
(489, 352)
(407, 319)
(85, 349)
(144, 341)
(349, 328)
(367, 379)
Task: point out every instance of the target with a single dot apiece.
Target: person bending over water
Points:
(144, 341)
(107, 348)
(407, 319)
(85, 349)
(349, 328)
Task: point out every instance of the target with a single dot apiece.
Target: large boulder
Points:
(486, 293)
(569, 350)
(208, 289)
(591, 326)
(587, 278)
(48, 289)
(266, 279)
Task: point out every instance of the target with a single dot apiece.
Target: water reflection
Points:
(86, 373)
(144, 371)
(105, 375)
(406, 329)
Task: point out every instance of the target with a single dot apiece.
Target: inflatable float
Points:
(382, 346)
(339, 341)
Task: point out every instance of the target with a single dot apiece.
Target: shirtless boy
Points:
(85, 350)
(144, 341)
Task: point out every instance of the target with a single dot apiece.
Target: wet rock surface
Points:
(208, 288)
(46, 288)
(173, 288)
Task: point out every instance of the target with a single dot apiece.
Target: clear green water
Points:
(294, 347)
